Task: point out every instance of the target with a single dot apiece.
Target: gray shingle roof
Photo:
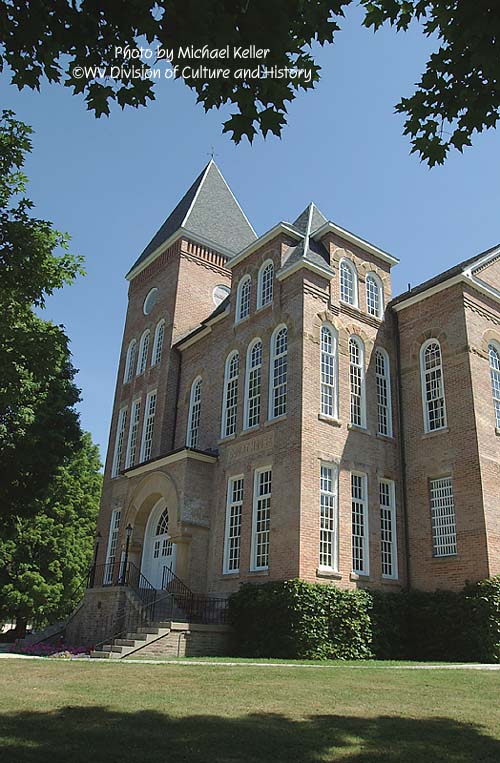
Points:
(318, 219)
(309, 250)
(207, 210)
(441, 277)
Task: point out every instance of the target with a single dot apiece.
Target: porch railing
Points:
(195, 607)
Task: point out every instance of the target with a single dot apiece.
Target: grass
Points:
(84, 712)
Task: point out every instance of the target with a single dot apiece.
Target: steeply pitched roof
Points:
(308, 250)
(317, 220)
(208, 210)
(444, 276)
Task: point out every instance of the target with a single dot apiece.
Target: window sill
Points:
(264, 307)
(445, 558)
(329, 420)
(359, 576)
(242, 320)
(357, 428)
(275, 420)
(249, 430)
(328, 572)
(226, 439)
(497, 431)
(230, 574)
(435, 433)
(390, 581)
(385, 437)
(259, 573)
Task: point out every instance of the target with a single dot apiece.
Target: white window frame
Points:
(142, 355)
(328, 360)
(255, 511)
(388, 527)
(381, 379)
(362, 396)
(149, 417)
(158, 343)
(228, 381)
(251, 372)
(365, 538)
(328, 525)
(112, 548)
(443, 517)
(374, 278)
(133, 433)
(345, 263)
(423, 380)
(234, 512)
(262, 298)
(243, 301)
(128, 371)
(494, 349)
(193, 428)
(273, 367)
(119, 440)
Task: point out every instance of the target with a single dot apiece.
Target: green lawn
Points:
(87, 712)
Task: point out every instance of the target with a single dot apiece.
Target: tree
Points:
(457, 95)
(39, 427)
(44, 557)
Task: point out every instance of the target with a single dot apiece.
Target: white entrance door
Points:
(159, 551)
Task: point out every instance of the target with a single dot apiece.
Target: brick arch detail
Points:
(431, 333)
(147, 493)
(490, 335)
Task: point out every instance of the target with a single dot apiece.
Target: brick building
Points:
(278, 414)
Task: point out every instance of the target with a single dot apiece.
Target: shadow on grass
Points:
(100, 735)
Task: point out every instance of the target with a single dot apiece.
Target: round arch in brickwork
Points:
(432, 333)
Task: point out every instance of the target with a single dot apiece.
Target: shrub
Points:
(298, 620)
(482, 620)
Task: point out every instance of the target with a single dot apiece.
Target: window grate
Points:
(444, 534)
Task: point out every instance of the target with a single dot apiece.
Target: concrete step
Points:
(137, 636)
(124, 642)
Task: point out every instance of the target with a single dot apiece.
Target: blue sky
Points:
(111, 182)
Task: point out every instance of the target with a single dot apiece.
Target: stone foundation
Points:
(102, 613)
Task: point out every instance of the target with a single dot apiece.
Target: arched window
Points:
(495, 380)
(328, 371)
(431, 368)
(230, 400)
(142, 358)
(253, 384)
(158, 343)
(243, 299)
(357, 381)
(348, 283)
(374, 295)
(384, 405)
(130, 361)
(278, 372)
(162, 526)
(265, 285)
(194, 414)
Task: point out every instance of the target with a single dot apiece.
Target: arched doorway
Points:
(158, 550)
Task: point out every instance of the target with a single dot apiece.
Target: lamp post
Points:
(128, 534)
(98, 537)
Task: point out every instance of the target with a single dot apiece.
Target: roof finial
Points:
(212, 153)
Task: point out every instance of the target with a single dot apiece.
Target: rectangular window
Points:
(148, 426)
(132, 435)
(328, 517)
(359, 504)
(388, 544)
(120, 435)
(261, 519)
(384, 418)
(279, 372)
(233, 525)
(444, 534)
(114, 529)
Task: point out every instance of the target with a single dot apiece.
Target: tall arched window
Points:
(278, 372)
(142, 358)
(130, 361)
(494, 354)
(158, 343)
(374, 295)
(243, 298)
(253, 384)
(230, 400)
(328, 371)
(431, 368)
(193, 430)
(265, 285)
(384, 405)
(357, 381)
(348, 283)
